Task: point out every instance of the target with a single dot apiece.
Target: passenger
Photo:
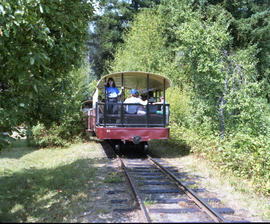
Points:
(152, 108)
(132, 109)
(86, 108)
(151, 97)
(141, 109)
(162, 109)
(112, 93)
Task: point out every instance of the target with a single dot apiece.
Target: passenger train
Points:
(112, 120)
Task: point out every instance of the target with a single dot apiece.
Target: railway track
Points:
(164, 194)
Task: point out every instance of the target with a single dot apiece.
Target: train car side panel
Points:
(92, 120)
(128, 134)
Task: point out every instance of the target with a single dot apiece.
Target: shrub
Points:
(57, 135)
(179, 107)
(245, 155)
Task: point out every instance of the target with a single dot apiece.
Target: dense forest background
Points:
(216, 52)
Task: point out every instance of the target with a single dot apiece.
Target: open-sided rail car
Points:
(121, 127)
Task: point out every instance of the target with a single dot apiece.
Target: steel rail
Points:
(135, 192)
(198, 200)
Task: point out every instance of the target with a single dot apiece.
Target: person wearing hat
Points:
(132, 109)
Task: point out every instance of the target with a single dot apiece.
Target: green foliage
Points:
(143, 49)
(108, 28)
(225, 86)
(250, 26)
(202, 41)
(246, 108)
(179, 105)
(247, 157)
(44, 138)
(40, 43)
(216, 68)
(57, 135)
(69, 125)
(242, 154)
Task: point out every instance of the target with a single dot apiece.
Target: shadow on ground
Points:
(157, 148)
(22, 145)
(49, 195)
(168, 148)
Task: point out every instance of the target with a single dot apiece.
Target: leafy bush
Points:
(57, 135)
(68, 126)
(179, 105)
(245, 155)
(44, 137)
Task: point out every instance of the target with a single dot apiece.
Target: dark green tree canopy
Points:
(109, 25)
(41, 41)
(250, 25)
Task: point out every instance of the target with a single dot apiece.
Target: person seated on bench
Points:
(151, 97)
(162, 109)
(132, 109)
(152, 107)
(141, 110)
(85, 108)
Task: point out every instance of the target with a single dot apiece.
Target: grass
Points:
(148, 202)
(46, 185)
(114, 177)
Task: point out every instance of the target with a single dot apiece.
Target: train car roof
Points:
(137, 80)
(87, 101)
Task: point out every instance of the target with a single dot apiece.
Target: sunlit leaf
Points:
(19, 12)
(6, 32)
(32, 60)
(35, 88)
(2, 11)
(40, 8)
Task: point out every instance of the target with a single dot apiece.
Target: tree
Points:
(195, 40)
(40, 42)
(250, 26)
(200, 33)
(143, 48)
(109, 25)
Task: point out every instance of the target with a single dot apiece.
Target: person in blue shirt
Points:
(112, 93)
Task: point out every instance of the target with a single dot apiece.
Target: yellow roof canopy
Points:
(136, 80)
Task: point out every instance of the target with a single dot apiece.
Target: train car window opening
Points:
(121, 118)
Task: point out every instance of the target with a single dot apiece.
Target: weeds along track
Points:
(164, 194)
